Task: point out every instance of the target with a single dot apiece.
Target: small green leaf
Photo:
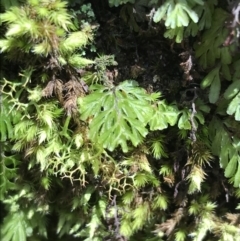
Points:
(183, 122)
(191, 13)
(163, 115)
(232, 166)
(234, 105)
(209, 78)
(237, 175)
(232, 90)
(226, 56)
(215, 89)
(226, 72)
(237, 114)
(161, 11)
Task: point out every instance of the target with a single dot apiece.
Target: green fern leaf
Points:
(119, 114)
(211, 47)
(234, 107)
(163, 116)
(215, 89)
(176, 33)
(183, 122)
(161, 11)
(226, 57)
(192, 14)
(232, 90)
(232, 166)
(226, 72)
(207, 81)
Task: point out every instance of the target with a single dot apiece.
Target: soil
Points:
(142, 52)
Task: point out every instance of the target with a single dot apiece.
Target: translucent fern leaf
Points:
(161, 11)
(210, 48)
(163, 116)
(232, 90)
(118, 115)
(176, 33)
(183, 122)
(234, 107)
(232, 166)
(207, 81)
(236, 182)
(180, 16)
(215, 89)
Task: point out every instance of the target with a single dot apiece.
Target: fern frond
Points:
(119, 114)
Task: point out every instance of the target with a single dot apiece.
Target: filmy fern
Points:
(229, 151)
(118, 115)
